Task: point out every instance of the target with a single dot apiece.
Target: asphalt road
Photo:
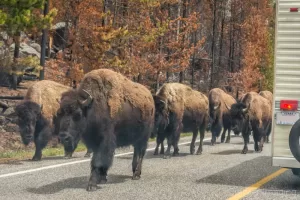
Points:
(219, 173)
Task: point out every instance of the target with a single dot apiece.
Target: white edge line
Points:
(74, 162)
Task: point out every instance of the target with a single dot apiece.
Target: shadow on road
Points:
(75, 183)
(244, 174)
(232, 151)
(149, 155)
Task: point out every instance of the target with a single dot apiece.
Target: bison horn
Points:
(228, 107)
(88, 101)
(162, 101)
(216, 107)
(246, 109)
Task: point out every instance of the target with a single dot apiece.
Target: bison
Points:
(219, 114)
(252, 113)
(179, 108)
(268, 95)
(109, 111)
(37, 113)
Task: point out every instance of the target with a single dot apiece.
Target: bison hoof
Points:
(227, 141)
(91, 188)
(192, 151)
(36, 158)
(199, 153)
(102, 181)
(162, 152)
(155, 152)
(244, 151)
(167, 156)
(136, 177)
(222, 140)
(87, 155)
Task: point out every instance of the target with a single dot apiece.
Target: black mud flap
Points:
(294, 140)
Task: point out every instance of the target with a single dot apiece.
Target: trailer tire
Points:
(294, 140)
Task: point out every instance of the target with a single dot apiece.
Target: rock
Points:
(2, 120)
(11, 128)
(9, 111)
(36, 46)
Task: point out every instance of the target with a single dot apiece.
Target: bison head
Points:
(70, 121)
(238, 113)
(161, 115)
(28, 113)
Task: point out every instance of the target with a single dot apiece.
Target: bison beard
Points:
(110, 111)
(178, 109)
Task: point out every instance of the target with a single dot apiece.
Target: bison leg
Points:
(175, 145)
(88, 153)
(40, 143)
(159, 141)
(139, 152)
(223, 135)
(246, 141)
(162, 148)
(192, 147)
(168, 151)
(202, 134)
(228, 136)
(101, 161)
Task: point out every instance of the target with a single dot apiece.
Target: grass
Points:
(13, 155)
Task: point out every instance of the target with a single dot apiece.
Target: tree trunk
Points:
(14, 77)
(213, 45)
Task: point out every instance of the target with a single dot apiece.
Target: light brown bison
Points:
(179, 108)
(219, 114)
(109, 111)
(254, 113)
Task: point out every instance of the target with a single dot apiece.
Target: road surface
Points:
(221, 172)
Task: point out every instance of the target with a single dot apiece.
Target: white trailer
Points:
(286, 93)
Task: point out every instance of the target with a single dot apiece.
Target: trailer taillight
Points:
(293, 9)
(288, 105)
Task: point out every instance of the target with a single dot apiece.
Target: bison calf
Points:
(109, 111)
(179, 108)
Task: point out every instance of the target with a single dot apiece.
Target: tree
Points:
(17, 16)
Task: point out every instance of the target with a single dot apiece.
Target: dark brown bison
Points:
(219, 114)
(109, 111)
(37, 115)
(179, 108)
(254, 113)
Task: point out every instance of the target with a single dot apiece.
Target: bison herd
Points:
(108, 111)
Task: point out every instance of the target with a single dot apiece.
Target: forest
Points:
(202, 43)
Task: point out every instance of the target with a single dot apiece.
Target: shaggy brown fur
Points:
(219, 113)
(267, 94)
(184, 108)
(116, 88)
(109, 111)
(46, 93)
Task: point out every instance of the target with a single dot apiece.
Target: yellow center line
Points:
(257, 185)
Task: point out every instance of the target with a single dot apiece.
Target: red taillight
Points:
(293, 9)
(288, 105)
